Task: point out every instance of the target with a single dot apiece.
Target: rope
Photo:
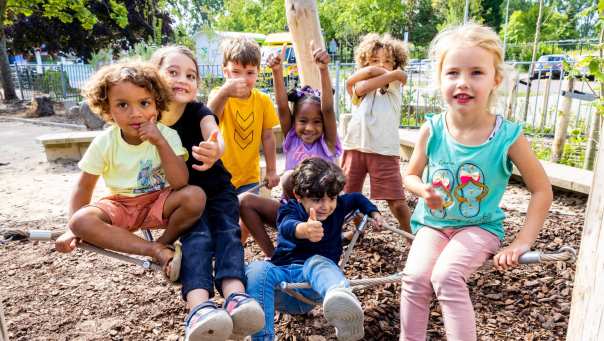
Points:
(566, 253)
(47, 235)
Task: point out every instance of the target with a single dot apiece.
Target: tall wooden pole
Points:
(587, 308)
(303, 22)
(596, 121)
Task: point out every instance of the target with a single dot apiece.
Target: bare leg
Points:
(400, 210)
(183, 208)
(231, 285)
(92, 225)
(255, 212)
(196, 297)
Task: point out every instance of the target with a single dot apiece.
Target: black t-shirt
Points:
(215, 179)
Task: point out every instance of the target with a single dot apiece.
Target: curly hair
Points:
(144, 75)
(372, 42)
(242, 50)
(315, 177)
(158, 56)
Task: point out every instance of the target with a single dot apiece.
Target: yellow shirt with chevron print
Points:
(241, 126)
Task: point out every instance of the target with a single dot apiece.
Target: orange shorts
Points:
(386, 182)
(133, 213)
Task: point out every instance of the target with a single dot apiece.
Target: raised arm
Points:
(365, 86)
(538, 184)
(363, 74)
(232, 87)
(275, 63)
(329, 116)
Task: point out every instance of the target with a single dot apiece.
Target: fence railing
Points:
(63, 82)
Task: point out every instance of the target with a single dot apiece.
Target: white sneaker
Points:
(343, 310)
(207, 322)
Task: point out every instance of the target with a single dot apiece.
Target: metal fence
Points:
(538, 111)
(59, 81)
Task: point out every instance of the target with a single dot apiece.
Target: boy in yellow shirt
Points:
(246, 116)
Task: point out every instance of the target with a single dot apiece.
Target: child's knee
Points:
(397, 204)
(247, 201)
(82, 220)
(193, 199)
(447, 279)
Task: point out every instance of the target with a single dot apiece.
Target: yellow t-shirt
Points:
(241, 127)
(127, 169)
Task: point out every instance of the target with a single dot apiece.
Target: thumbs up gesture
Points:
(312, 229)
(276, 58)
(207, 152)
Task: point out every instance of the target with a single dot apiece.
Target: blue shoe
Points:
(207, 322)
(246, 313)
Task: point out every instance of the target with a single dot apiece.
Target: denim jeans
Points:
(215, 235)
(246, 188)
(263, 279)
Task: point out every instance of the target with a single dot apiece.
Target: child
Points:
(465, 155)
(217, 233)
(308, 249)
(246, 115)
(371, 141)
(141, 163)
(312, 133)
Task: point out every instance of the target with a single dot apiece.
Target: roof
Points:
(278, 38)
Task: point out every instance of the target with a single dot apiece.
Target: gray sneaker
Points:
(207, 322)
(246, 313)
(343, 310)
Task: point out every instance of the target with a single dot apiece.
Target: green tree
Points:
(555, 26)
(65, 10)
(451, 12)
(145, 23)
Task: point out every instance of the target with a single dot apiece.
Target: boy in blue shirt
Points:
(309, 246)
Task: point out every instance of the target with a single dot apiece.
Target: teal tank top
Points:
(470, 179)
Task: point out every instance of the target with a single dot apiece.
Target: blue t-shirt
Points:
(470, 179)
(291, 250)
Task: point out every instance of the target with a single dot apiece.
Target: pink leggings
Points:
(440, 261)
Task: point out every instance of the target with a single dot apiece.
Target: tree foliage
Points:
(144, 22)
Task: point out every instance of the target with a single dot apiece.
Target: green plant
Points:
(100, 58)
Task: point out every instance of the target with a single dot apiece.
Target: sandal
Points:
(171, 268)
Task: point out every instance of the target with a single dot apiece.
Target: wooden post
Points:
(562, 124)
(544, 115)
(3, 327)
(587, 308)
(303, 22)
(509, 112)
(596, 122)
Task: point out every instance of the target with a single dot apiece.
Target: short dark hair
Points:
(315, 177)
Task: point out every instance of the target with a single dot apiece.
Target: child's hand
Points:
(207, 152)
(236, 87)
(433, 199)
(271, 179)
(376, 221)
(148, 131)
(66, 242)
(508, 257)
(312, 229)
(275, 59)
(320, 56)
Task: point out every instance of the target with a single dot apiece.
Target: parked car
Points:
(550, 65)
(414, 66)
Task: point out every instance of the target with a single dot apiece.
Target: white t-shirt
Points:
(375, 120)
